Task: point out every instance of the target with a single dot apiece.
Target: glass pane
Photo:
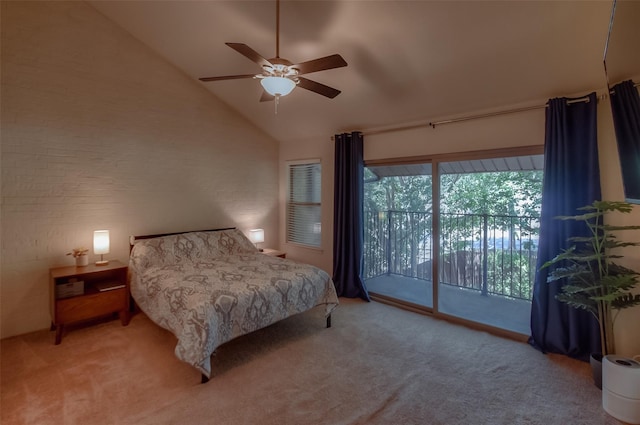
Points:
(303, 224)
(397, 232)
(489, 226)
(303, 204)
(304, 183)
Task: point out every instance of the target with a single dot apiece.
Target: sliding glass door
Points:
(472, 250)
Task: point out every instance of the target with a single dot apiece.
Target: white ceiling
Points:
(408, 60)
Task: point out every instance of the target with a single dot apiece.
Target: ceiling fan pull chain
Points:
(277, 28)
(277, 101)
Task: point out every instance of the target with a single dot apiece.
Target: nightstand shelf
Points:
(82, 293)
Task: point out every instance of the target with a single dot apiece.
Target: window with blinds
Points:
(303, 203)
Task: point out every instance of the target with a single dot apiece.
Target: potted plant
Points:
(593, 281)
(80, 254)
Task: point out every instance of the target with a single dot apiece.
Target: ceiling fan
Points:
(279, 76)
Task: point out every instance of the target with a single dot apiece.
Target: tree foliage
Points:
(495, 193)
(473, 206)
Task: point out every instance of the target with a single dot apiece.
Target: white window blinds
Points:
(303, 203)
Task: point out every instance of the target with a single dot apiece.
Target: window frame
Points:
(289, 204)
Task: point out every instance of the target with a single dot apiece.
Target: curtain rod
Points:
(433, 124)
(508, 111)
(614, 92)
(470, 117)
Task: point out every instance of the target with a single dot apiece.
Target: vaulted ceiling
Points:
(408, 60)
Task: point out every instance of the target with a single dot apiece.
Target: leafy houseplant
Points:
(593, 281)
(77, 252)
(80, 254)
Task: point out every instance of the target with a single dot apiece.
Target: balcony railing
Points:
(493, 254)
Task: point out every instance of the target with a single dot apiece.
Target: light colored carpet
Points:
(376, 365)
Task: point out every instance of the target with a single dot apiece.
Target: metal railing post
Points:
(485, 253)
(388, 242)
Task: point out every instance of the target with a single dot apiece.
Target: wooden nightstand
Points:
(82, 293)
(274, 253)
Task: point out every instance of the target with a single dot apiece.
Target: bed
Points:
(208, 287)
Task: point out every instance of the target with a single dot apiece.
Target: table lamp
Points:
(101, 245)
(256, 236)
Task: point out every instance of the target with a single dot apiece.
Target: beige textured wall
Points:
(502, 131)
(98, 132)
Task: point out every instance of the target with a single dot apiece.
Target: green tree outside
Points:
(489, 228)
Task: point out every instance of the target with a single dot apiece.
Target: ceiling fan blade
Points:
(248, 52)
(227, 77)
(327, 62)
(318, 88)
(266, 97)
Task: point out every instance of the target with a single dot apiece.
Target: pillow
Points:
(233, 241)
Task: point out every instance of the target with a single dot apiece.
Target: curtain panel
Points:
(348, 217)
(571, 181)
(625, 106)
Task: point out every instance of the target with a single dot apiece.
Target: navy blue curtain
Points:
(348, 216)
(625, 105)
(571, 181)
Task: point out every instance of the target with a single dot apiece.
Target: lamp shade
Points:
(101, 242)
(256, 235)
(278, 86)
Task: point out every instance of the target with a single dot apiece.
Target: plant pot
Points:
(596, 369)
(82, 260)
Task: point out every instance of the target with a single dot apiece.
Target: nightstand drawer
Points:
(92, 305)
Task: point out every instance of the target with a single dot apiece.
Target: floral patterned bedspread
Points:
(210, 287)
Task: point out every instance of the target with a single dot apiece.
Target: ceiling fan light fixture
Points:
(280, 76)
(278, 86)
